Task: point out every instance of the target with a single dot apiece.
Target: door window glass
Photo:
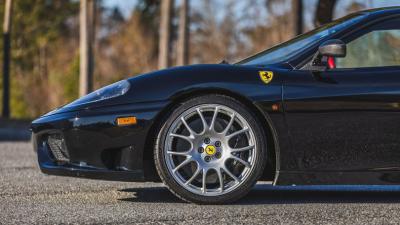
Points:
(375, 49)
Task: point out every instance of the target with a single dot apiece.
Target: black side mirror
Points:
(333, 48)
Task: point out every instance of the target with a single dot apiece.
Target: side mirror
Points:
(333, 48)
(325, 57)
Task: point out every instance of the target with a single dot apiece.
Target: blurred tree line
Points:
(45, 42)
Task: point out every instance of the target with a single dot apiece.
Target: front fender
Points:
(242, 80)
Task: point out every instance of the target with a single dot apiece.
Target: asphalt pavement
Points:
(29, 197)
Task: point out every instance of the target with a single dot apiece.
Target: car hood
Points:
(162, 85)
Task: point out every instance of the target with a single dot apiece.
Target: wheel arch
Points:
(270, 171)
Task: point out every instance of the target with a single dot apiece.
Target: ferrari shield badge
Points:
(266, 76)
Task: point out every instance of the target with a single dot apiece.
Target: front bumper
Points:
(48, 166)
(96, 147)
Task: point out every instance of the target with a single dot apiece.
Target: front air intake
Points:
(58, 148)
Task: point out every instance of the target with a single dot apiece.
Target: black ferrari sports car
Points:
(321, 109)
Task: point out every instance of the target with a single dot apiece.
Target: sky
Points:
(126, 6)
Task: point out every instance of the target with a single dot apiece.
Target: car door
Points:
(348, 119)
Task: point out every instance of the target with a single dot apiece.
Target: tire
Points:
(211, 147)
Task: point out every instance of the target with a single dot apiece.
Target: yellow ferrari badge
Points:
(266, 76)
(211, 150)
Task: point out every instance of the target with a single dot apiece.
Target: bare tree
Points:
(183, 42)
(324, 12)
(297, 12)
(87, 14)
(6, 58)
(165, 33)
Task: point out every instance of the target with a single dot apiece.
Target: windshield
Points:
(283, 52)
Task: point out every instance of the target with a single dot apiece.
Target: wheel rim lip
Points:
(198, 190)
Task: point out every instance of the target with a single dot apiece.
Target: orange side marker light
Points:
(126, 121)
(275, 107)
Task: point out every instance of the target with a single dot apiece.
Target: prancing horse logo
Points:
(266, 76)
(211, 150)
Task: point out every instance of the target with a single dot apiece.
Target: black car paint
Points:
(90, 131)
(328, 130)
(344, 124)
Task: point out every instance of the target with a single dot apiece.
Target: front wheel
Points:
(211, 150)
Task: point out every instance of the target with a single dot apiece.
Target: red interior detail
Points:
(331, 62)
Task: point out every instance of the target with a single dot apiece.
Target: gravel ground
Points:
(29, 197)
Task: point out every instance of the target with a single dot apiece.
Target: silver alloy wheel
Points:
(213, 153)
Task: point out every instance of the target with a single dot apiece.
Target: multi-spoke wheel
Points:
(210, 150)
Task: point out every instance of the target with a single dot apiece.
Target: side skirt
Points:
(338, 178)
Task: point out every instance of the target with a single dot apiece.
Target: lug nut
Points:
(217, 144)
(207, 158)
(207, 141)
(200, 150)
(218, 155)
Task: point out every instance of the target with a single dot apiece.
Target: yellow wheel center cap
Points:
(211, 150)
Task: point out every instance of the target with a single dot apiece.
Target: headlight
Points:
(110, 91)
